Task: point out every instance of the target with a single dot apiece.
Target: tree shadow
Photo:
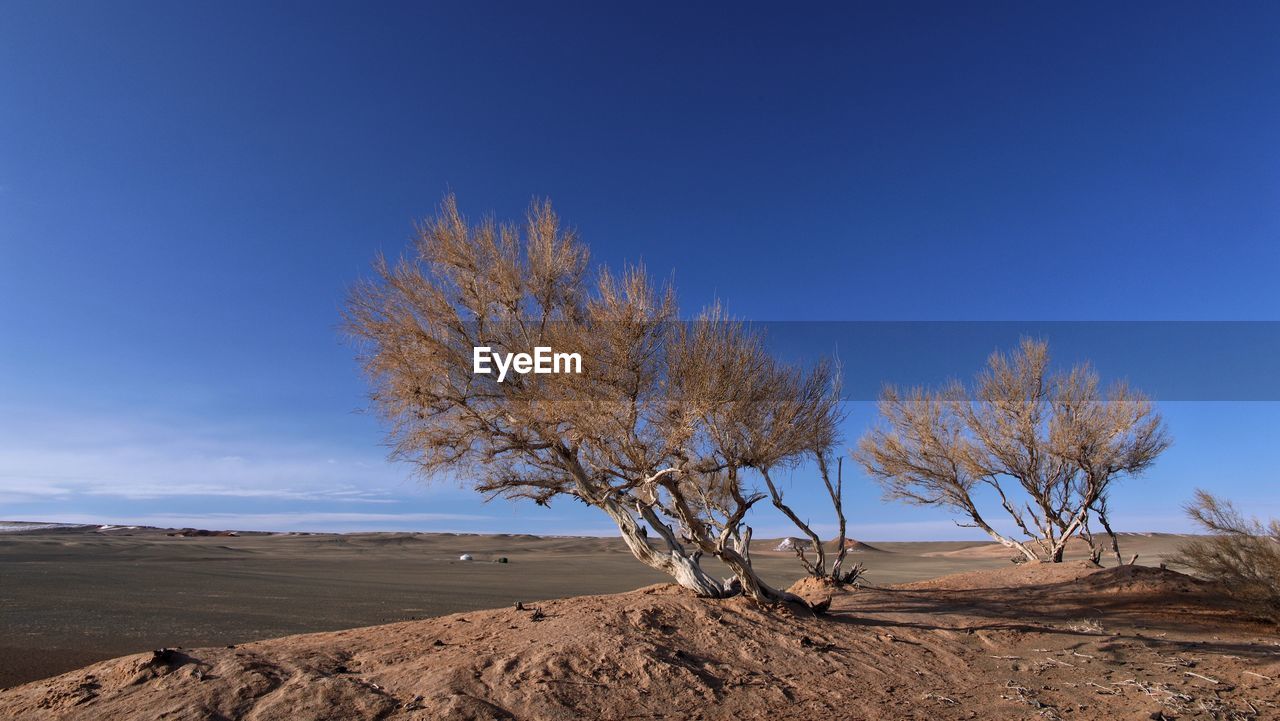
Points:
(1116, 604)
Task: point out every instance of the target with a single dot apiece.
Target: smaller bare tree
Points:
(1101, 511)
(1241, 554)
(1048, 444)
(816, 398)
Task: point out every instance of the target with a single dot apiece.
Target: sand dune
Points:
(855, 546)
(126, 591)
(1076, 547)
(937, 652)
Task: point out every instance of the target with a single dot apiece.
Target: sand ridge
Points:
(126, 590)
(1060, 642)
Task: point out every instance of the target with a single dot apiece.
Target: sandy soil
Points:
(69, 597)
(1026, 642)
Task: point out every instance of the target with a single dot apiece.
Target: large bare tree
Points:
(666, 429)
(1049, 445)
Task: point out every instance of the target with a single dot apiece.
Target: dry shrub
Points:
(1240, 553)
(1050, 444)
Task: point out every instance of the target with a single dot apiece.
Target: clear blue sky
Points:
(186, 190)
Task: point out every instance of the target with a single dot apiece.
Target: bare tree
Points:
(1240, 553)
(818, 399)
(824, 461)
(1101, 511)
(1048, 444)
(665, 428)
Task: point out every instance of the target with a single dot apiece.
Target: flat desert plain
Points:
(71, 596)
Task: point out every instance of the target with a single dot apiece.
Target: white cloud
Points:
(286, 521)
(44, 458)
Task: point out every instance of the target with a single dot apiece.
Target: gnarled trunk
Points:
(819, 567)
(1106, 525)
(1002, 539)
(754, 586)
(675, 561)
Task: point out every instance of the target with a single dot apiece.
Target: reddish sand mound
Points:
(653, 652)
(1015, 576)
(661, 653)
(818, 593)
(201, 533)
(1142, 580)
(1083, 575)
(855, 546)
(996, 550)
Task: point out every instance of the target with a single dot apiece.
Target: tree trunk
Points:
(1095, 549)
(688, 573)
(752, 585)
(1001, 538)
(676, 562)
(682, 566)
(1115, 541)
(1077, 522)
(837, 501)
(820, 565)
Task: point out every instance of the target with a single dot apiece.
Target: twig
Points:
(940, 697)
(1061, 663)
(1210, 680)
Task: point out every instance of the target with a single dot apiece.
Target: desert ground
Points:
(942, 630)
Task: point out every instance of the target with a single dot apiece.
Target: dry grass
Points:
(1242, 555)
